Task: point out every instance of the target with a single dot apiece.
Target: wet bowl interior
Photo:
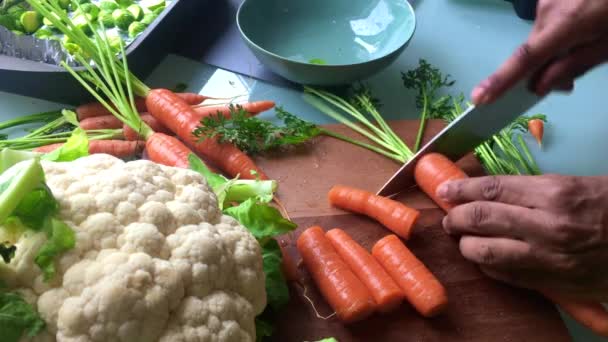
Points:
(324, 42)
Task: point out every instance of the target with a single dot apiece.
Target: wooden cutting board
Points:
(480, 309)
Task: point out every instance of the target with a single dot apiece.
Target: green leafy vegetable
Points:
(61, 238)
(7, 251)
(262, 220)
(36, 207)
(363, 108)
(136, 28)
(276, 286)
(427, 80)
(329, 339)
(16, 182)
(75, 147)
(17, 318)
(317, 61)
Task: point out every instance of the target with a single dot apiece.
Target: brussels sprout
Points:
(124, 3)
(149, 18)
(153, 5)
(7, 21)
(90, 9)
(108, 6)
(137, 11)
(65, 4)
(122, 19)
(81, 22)
(159, 10)
(31, 21)
(43, 33)
(136, 28)
(114, 40)
(106, 19)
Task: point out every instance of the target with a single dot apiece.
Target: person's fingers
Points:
(525, 191)
(494, 219)
(501, 253)
(572, 66)
(540, 47)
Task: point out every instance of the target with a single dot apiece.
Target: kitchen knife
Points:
(476, 125)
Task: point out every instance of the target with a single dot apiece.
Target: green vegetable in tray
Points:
(90, 9)
(44, 33)
(81, 22)
(122, 19)
(108, 6)
(136, 28)
(106, 19)
(114, 41)
(7, 21)
(137, 11)
(149, 18)
(65, 4)
(124, 3)
(153, 5)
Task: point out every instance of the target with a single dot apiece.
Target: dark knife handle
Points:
(525, 9)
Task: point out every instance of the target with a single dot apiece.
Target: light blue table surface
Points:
(465, 38)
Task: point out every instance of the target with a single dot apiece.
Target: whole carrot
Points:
(253, 108)
(175, 114)
(93, 109)
(100, 122)
(167, 150)
(432, 170)
(151, 121)
(419, 285)
(394, 215)
(340, 287)
(536, 127)
(386, 293)
(116, 148)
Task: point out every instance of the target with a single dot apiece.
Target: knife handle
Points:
(525, 9)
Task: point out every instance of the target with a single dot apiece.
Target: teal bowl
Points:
(326, 42)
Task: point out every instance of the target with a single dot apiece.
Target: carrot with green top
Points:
(116, 148)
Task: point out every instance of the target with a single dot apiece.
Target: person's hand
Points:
(538, 232)
(569, 37)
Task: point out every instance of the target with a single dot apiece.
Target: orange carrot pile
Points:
(177, 115)
(422, 289)
(386, 293)
(93, 109)
(432, 170)
(344, 292)
(252, 108)
(394, 215)
(116, 148)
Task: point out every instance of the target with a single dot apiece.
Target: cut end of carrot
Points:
(432, 170)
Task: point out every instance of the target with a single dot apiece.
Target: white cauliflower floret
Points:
(155, 259)
(219, 316)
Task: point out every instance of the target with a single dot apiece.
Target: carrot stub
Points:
(386, 293)
(340, 287)
(434, 169)
(592, 315)
(394, 215)
(421, 288)
(536, 127)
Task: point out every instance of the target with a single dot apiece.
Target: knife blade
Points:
(474, 126)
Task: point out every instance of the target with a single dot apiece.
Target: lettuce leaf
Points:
(17, 318)
(234, 190)
(61, 238)
(262, 220)
(75, 147)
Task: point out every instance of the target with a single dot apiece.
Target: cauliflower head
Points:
(155, 259)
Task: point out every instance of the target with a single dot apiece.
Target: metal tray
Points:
(53, 83)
